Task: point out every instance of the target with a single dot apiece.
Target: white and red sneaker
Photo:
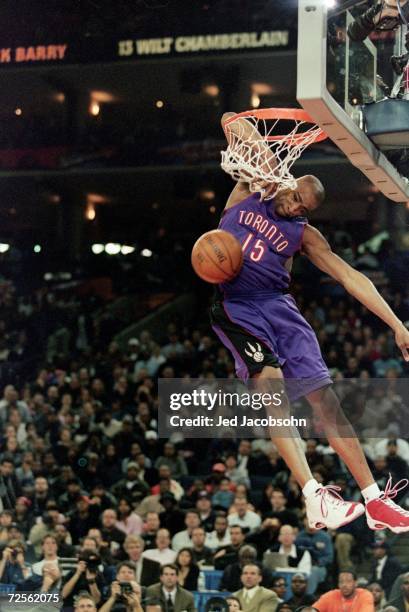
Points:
(383, 513)
(326, 508)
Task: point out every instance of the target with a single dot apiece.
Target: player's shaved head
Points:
(299, 202)
(312, 182)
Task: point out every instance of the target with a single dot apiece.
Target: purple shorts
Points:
(269, 330)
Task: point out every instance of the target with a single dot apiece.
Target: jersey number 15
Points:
(256, 248)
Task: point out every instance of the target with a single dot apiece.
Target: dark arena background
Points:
(110, 142)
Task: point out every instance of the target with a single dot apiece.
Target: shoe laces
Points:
(330, 497)
(391, 492)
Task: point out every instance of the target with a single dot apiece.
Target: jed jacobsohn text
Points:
(208, 400)
(235, 421)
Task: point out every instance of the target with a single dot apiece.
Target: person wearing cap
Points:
(204, 507)
(183, 539)
(83, 518)
(385, 568)
(162, 553)
(172, 518)
(131, 487)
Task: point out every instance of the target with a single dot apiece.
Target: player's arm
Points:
(244, 129)
(317, 249)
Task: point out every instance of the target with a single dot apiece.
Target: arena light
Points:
(37, 248)
(4, 247)
(159, 104)
(146, 253)
(211, 89)
(255, 100)
(90, 212)
(126, 249)
(94, 108)
(18, 112)
(112, 248)
(262, 89)
(330, 3)
(102, 96)
(97, 249)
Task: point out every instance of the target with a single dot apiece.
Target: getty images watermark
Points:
(227, 408)
(211, 401)
(224, 408)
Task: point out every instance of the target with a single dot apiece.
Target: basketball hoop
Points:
(263, 144)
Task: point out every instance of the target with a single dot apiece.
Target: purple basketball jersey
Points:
(268, 241)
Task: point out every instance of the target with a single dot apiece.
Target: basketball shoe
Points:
(326, 508)
(383, 513)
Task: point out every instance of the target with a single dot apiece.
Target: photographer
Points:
(384, 15)
(126, 593)
(13, 568)
(85, 578)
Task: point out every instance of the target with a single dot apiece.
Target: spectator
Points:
(152, 524)
(378, 595)
(237, 475)
(146, 570)
(183, 538)
(169, 593)
(84, 603)
(385, 568)
(13, 567)
(172, 517)
(299, 596)
(188, 570)
(244, 517)
(252, 596)
(224, 496)
(319, 545)
(234, 604)
(230, 553)
(297, 557)
(402, 601)
(128, 521)
(162, 553)
(279, 586)
(113, 536)
(204, 507)
(11, 489)
(279, 509)
(125, 594)
(173, 461)
(221, 534)
(202, 555)
(84, 576)
(131, 487)
(49, 548)
(346, 593)
(231, 578)
(49, 580)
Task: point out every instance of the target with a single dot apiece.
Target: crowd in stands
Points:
(101, 512)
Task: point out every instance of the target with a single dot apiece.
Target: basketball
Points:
(217, 256)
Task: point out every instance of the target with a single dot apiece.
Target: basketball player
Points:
(258, 321)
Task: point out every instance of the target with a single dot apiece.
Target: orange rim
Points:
(288, 114)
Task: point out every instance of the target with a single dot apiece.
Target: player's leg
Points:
(241, 328)
(381, 511)
(340, 434)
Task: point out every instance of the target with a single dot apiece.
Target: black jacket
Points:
(390, 572)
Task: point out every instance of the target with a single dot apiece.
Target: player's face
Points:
(296, 202)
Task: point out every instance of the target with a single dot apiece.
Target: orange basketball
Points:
(217, 256)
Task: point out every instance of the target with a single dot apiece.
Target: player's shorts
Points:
(268, 330)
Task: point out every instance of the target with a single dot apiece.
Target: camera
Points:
(126, 588)
(14, 553)
(91, 558)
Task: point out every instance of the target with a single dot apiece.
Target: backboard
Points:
(336, 76)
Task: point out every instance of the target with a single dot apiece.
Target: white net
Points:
(258, 155)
